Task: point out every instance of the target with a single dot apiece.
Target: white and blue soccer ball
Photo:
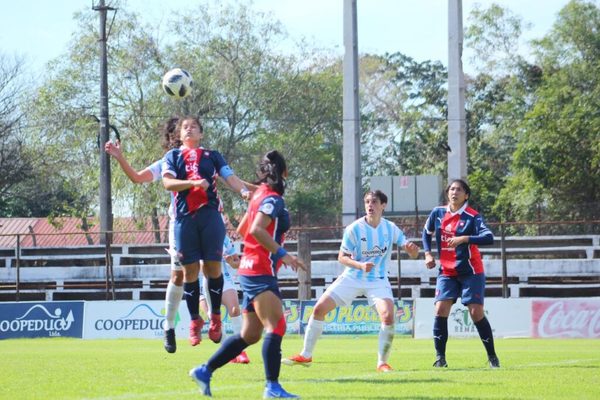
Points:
(177, 83)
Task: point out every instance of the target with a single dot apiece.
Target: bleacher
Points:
(542, 266)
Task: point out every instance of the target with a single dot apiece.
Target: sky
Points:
(40, 30)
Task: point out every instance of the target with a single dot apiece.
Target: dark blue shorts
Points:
(200, 236)
(252, 286)
(469, 288)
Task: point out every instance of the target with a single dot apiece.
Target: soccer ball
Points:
(177, 83)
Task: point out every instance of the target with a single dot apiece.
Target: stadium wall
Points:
(525, 278)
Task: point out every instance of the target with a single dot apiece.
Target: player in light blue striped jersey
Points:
(365, 251)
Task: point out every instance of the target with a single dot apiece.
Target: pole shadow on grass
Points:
(378, 381)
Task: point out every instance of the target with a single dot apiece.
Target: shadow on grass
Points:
(378, 381)
(399, 397)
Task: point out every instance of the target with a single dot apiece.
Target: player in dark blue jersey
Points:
(263, 229)
(458, 229)
(152, 173)
(191, 173)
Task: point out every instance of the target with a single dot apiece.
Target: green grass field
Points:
(344, 368)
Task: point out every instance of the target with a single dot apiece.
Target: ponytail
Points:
(271, 171)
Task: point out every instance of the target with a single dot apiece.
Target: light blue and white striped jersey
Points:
(156, 169)
(366, 243)
(228, 250)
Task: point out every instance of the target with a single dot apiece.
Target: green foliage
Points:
(14, 167)
(404, 108)
(532, 123)
(493, 34)
(533, 132)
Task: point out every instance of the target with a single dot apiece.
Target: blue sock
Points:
(191, 292)
(215, 290)
(485, 334)
(231, 348)
(271, 352)
(440, 335)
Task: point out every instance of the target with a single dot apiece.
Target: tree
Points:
(257, 99)
(559, 146)
(404, 111)
(15, 165)
(493, 34)
(249, 98)
(532, 124)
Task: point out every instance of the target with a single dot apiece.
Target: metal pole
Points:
(110, 276)
(399, 273)
(351, 176)
(416, 205)
(505, 293)
(106, 222)
(18, 266)
(457, 137)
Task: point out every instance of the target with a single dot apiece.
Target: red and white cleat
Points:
(384, 368)
(297, 359)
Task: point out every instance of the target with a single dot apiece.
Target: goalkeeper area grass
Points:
(343, 368)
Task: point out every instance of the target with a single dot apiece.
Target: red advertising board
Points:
(568, 318)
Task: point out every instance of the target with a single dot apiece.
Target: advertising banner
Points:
(47, 319)
(127, 319)
(508, 318)
(139, 319)
(566, 318)
(292, 310)
(357, 318)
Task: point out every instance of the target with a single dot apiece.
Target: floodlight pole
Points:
(457, 135)
(106, 217)
(351, 175)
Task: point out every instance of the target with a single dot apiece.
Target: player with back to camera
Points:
(191, 172)
(458, 230)
(174, 290)
(365, 252)
(263, 228)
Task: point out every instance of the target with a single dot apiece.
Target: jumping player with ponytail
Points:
(263, 229)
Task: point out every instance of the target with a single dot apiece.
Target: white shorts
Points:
(175, 264)
(345, 289)
(228, 283)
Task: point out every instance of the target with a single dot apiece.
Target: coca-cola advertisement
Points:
(568, 318)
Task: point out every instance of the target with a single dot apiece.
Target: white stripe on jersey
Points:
(228, 250)
(156, 168)
(366, 243)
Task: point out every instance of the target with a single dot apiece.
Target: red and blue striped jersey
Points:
(195, 164)
(257, 260)
(464, 259)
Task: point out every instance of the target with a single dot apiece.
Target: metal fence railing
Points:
(110, 250)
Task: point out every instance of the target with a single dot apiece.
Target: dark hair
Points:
(188, 118)
(377, 193)
(271, 170)
(169, 139)
(462, 183)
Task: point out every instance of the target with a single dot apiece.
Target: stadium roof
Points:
(69, 231)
